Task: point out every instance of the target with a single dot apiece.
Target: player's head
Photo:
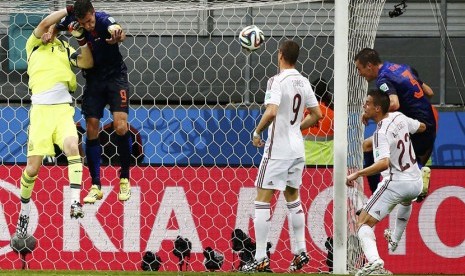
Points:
(288, 53)
(367, 62)
(376, 104)
(322, 91)
(85, 14)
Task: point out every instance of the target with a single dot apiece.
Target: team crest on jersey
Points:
(30, 146)
(384, 87)
(377, 154)
(267, 96)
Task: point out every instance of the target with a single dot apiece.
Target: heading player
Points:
(106, 83)
(407, 95)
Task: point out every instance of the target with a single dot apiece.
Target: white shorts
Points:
(276, 174)
(390, 193)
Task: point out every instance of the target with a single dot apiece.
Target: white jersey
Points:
(392, 139)
(292, 93)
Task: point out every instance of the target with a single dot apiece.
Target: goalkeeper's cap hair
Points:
(290, 51)
(368, 55)
(82, 7)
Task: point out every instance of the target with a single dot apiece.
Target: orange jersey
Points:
(325, 126)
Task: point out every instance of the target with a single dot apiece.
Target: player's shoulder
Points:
(104, 18)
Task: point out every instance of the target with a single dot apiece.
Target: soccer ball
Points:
(251, 38)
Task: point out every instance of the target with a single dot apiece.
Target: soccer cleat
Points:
(257, 266)
(124, 189)
(392, 245)
(76, 210)
(21, 227)
(425, 175)
(299, 261)
(369, 268)
(94, 194)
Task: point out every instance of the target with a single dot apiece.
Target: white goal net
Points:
(195, 98)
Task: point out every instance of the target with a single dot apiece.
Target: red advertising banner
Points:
(205, 205)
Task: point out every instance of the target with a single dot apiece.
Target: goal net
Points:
(196, 97)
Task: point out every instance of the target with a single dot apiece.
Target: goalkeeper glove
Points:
(70, 10)
(77, 31)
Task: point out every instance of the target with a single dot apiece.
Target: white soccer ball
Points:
(251, 38)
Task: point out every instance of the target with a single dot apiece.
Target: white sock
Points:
(25, 208)
(75, 195)
(262, 228)
(297, 218)
(403, 215)
(368, 242)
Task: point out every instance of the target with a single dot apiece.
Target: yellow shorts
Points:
(49, 124)
(319, 152)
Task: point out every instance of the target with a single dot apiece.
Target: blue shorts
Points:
(423, 143)
(114, 91)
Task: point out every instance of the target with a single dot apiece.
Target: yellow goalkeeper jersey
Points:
(48, 64)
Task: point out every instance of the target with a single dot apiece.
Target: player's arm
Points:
(377, 167)
(267, 118)
(84, 60)
(394, 102)
(367, 144)
(312, 118)
(48, 21)
(427, 90)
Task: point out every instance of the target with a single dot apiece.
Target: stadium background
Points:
(182, 146)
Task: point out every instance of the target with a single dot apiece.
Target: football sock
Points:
(27, 184)
(75, 177)
(124, 142)
(93, 154)
(368, 242)
(403, 215)
(373, 180)
(262, 227)
(297, 217)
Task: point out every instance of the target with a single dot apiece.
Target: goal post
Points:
(196, 97)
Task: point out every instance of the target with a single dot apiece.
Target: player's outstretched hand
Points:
(77, 31)
(116, 36)
(351, 179)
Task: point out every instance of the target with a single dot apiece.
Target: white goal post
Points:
(196, 97)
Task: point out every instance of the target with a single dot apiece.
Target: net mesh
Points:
(196, 97)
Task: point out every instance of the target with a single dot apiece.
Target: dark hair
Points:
(322, 92)
(290, 51)
(368, 55)
(82, 7)
(380, 98)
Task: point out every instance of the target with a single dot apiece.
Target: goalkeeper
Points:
(51, 116)
(106, 83)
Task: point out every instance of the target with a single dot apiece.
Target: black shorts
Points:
(113, 90)
(423, 142)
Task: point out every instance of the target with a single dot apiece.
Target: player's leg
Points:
(402, 217)
(271, 177)
(423, 145)
(296, 214)
(39, 144)
(368, 160)
(27, 181)
(118, 99)
(68, 141)
(124, 144)
(93, 104)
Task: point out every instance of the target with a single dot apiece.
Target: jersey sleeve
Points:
(273, 93)
(32, 42)
(381, 146)
(384, 84)
(311, 100)
(413, 124)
